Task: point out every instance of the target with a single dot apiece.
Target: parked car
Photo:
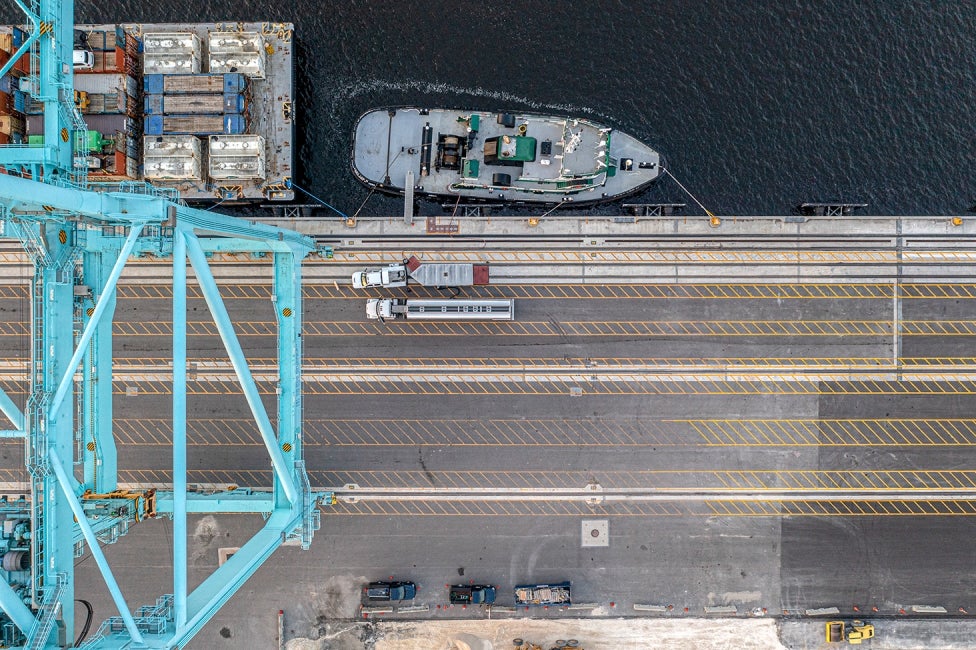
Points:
(84, 60)
(384, 591)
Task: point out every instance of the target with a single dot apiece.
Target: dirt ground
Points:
(593, 634)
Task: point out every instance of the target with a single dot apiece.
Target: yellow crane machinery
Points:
(855, 633)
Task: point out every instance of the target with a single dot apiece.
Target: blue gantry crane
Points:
(79, 236)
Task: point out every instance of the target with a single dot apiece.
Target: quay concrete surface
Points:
(711, 426)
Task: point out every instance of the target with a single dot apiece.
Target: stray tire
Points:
(517, 641)
(572, 643)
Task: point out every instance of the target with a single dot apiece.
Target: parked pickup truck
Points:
(385, 591)
(557, 593)
(472, 594)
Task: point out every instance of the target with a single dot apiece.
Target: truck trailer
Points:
(448, 310)
(557, 593)
(428, 274)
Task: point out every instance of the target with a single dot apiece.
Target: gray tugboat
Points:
(513, 158)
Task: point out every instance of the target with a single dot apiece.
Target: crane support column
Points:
(288, 313)
(179, 430)
(283, 471)
(51, 429)
(98, 438)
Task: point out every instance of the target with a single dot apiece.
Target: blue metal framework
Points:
(79, 238)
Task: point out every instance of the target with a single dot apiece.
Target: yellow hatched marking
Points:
(853, 432)
(880, 481)
(663, 256)
(729, 291)
(568, 328)
(732, 508)
(635, 385)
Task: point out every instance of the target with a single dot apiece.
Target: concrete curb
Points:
(660, 609)
(823, 611)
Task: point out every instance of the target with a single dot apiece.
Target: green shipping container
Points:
(90, 141)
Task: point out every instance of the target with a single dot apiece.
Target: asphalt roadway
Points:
(735, 395)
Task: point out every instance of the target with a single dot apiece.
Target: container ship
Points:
(513, 158)
(205, 109)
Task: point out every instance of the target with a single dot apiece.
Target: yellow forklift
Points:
(855, 633)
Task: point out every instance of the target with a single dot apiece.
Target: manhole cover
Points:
(595, 532)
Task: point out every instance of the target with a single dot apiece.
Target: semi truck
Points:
(557, 593)
(428, 274)
(452, 310)
(392, 275)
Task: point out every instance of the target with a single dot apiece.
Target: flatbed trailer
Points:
(558, 593)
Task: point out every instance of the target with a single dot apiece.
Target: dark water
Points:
(756, 106)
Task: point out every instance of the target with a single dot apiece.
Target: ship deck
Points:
(388, 146)
(271, 108)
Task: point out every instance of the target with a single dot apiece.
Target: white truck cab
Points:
(392, 275)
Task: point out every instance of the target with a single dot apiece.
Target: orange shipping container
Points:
(4, 138)
(23, 65)
(6, 104)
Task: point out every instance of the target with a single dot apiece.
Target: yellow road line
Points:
(414, 432)
(674, 256)
(315, 365)
(836, 432)
(684, 291)
(730, 328)
(485, 384)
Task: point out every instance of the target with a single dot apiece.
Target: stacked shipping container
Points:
(201, 104)
(214, 105)
(196, 124)
(107, 96)
(13, 101)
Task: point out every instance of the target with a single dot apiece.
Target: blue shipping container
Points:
(194, 125)
(8, 84)
(192, 104)
(19, 37)
(153, 125)
(20, 101)
(233, 103)
(152, 84)
(179, 84)
(234, 82)
(234, 125)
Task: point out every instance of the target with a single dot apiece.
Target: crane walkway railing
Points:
(37, 639)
